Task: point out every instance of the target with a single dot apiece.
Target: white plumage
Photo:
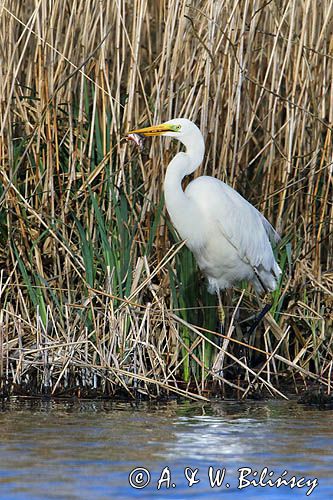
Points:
(230, 238)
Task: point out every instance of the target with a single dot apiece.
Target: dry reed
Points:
(97, 295)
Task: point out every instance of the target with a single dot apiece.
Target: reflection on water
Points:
(86, 450)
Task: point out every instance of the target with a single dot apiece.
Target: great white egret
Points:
(230, 239)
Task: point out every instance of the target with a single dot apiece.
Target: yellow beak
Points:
(153, 130)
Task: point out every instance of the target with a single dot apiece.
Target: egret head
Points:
(184, 131)
(180, 128)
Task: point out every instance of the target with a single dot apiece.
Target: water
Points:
(86, 450)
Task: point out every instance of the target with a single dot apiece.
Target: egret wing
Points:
(236, 219)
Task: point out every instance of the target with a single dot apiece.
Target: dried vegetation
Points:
(98, 296)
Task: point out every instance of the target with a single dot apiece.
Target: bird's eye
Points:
(174, 128)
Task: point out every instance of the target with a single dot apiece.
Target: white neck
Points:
(178, 205)
(195, 149)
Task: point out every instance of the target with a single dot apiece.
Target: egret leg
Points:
(223, 320)
(259, 318)
(221, 315)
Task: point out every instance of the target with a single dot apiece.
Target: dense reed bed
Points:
(98, 295)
